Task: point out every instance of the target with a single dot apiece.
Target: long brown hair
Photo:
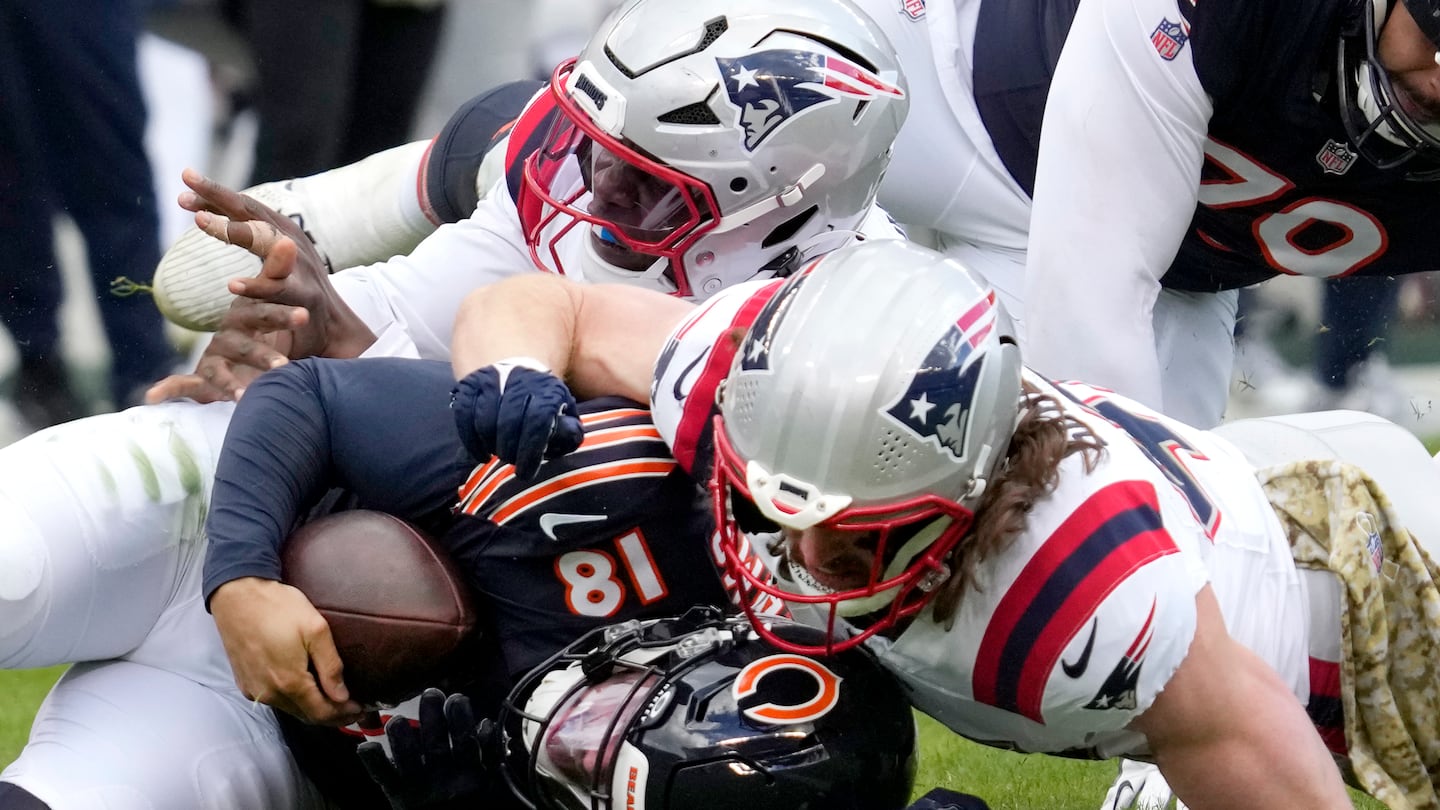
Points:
(1044, 436)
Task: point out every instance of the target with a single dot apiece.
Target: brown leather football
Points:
(398, 607)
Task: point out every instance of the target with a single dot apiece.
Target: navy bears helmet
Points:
(700, 712)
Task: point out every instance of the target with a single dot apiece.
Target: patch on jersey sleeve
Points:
(914, 9)
(1169, 38)
(696, 360)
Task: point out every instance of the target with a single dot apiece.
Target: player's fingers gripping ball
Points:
(517, 411)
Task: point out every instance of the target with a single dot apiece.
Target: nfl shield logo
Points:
(1335, 157)
(914, 8)
(1168, 38)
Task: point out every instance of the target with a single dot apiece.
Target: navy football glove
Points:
(517, 413)
(436, 765)
(942, 799)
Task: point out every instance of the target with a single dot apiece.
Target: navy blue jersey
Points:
(613, 531)
(1283, 191)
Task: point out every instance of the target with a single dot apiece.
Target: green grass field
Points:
(1006, 780)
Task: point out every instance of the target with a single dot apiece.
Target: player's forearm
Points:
(531, 315)
(603, 339)
(273, 466)
(1279, 761)
(1227, 732)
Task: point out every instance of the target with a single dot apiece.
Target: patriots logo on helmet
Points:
(771, 87)
(936, 405)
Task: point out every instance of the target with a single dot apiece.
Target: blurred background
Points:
(379, 73)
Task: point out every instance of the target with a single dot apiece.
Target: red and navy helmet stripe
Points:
(527, 135)
(1117, 531)
(700, 401)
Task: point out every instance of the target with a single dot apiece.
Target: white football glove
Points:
(1139, 786)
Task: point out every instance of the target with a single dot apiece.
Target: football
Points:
(397, 606)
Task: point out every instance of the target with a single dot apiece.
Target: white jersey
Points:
(100, 562)
(1077, 625)
(1166, 348)
(945, 174)
(1125, 131)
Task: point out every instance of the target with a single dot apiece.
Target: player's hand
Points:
(253, 337)
(436, 763)
(518, 413)
(1139, 786)
(281, 650)
(292, 272)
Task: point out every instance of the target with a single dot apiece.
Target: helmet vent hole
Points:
(713, 30)
(697, 114)
(739, 184)
(894, 455)
(786, 230)
(859, 110)
(740, 399)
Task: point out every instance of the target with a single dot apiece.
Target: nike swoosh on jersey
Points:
(1077, 669)
(550, 520)
(683, 383)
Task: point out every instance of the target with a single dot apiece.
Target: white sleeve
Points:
(878, 224)
(1116, 185)
(410, 301)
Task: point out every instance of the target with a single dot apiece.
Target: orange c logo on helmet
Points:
(827, 690)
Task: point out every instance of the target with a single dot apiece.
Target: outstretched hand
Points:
(518, 412)
(290, 310)
(436, 763)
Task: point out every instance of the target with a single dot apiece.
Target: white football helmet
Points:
(875, 393)
(717, 140)
(1375, 118)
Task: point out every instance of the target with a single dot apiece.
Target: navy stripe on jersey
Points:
(621, 443)
(1106, 539)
